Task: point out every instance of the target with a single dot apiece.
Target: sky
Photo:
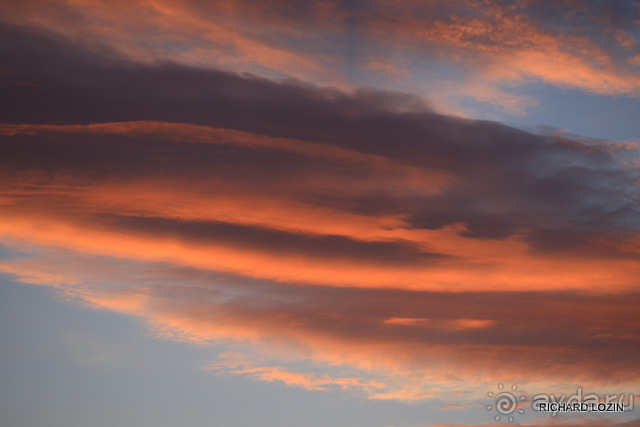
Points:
(318, 213)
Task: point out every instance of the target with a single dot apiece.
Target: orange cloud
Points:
(391, 250)
(242, 221)
(367, 341)
(498, 45)
(378, 266)
(452, 324)
(160, 30)
(239, 364)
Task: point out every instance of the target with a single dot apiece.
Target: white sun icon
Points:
(506, 403)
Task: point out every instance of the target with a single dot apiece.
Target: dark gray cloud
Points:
(560, 195)
(271, 241)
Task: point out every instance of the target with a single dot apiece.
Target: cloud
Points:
(437, 344)
(239, 364)
(218, 170)
(361, 232)
(492, 47)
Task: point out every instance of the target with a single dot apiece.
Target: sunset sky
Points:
(317, 213)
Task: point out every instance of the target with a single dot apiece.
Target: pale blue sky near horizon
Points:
(64, 365)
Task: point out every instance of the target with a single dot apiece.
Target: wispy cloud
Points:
(493, 46)
(390, 247)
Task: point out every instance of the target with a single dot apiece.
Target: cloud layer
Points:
(491, 47)
(354, 230)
